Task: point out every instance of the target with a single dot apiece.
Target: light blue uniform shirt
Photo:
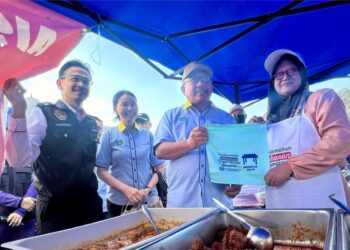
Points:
(188, 177)
(128, 156)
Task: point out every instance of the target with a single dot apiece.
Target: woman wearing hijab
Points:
(308, 137)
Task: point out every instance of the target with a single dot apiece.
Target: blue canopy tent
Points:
(232, 37)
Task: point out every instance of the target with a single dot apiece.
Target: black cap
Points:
(142, 117)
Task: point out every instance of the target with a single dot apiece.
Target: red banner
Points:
(33, 39)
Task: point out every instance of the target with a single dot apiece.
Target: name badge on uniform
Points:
(182, 119)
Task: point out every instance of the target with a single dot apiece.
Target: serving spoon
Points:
(149, 217)
(260, 237)
(339, 203)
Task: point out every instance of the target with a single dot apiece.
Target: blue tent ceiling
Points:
(232, 37)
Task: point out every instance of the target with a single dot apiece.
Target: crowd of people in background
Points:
(65, 149)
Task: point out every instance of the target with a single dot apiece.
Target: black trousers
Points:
(54, 214)
(116, 210)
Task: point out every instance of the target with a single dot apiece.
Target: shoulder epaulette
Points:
(44, 104)
(95, 118)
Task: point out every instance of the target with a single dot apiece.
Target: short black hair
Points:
(119, 94)
(73, 63)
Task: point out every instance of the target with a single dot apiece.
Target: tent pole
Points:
(253, 102)
(246, 31)
(330, 69)
(237, 94)
(261, 17)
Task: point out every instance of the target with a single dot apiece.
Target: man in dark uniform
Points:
(61, 140)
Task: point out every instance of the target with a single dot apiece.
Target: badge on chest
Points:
(60, 115)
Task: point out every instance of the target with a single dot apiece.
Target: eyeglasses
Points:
(289, 72)
(205, 80)
(79, 78)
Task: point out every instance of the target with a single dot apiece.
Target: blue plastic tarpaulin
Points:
(232, 37)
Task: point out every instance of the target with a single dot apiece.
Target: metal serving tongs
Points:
(149, 217)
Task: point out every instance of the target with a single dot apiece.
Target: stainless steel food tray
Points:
(285, 225)
(343, 230)
(71, 238)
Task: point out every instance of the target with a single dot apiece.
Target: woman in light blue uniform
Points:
(125, 158)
